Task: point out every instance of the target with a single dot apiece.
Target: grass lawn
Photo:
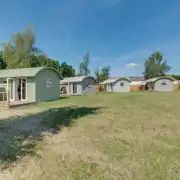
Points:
(130, 136)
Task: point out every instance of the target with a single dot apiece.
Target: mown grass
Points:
(129, 136)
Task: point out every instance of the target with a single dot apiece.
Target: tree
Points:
(102, 74)
(176, 76)
(155, 66)
(67, 70)
(20, 50)
(97, 75)
(2, 62)
(42, 60)
(37, 61)
(105, 72)
(83, 66)
(53, 63)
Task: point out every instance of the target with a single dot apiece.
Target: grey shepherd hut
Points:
(29, 84)
(78, 85)
(117, 85)
(161, 84)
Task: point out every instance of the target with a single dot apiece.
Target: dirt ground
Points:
(13, 112)
(19, 113)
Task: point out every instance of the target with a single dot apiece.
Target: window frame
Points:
(163, 83)
(48, 83)
(122, 84)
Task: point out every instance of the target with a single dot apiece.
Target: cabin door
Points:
(22, 89)
(74, 88)
(11, 89)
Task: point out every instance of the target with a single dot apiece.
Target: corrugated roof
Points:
(22, 72)
(151, 80)
(74, 79)
(138, 82)
(131, 78)
(113, 80)
(163, 77)
(108, 81)
(114, 77)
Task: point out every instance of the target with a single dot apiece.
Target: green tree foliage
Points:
(176, 76)
(2, 62)
(42, 60)
(97, 75)
(20, 50)
(155, 66)
(102, 74)
(53, 63)
(37, 61)
(84, 66)
(67, 70)
(105, 72)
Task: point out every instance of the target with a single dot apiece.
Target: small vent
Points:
(122, 84)
(163, 83)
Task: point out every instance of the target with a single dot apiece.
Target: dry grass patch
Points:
(113, 136)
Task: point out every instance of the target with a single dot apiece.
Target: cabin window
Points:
(30, 78)
(4, 81)
(63, 90)
(163, 83)
(122, 84)
(48, 83)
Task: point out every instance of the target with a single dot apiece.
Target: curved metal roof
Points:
(75, 79)
(113, 80)
(163, 77)
(24, 72)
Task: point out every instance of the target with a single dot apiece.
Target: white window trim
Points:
(122, 83)
(26, 89)
(12, 93)
(76, 88)
(46, 84)
(163, 83)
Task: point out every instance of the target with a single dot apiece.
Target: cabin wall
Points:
(47, 85)
(164, 85)
(121, 86)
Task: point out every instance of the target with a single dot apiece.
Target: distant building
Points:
(27, 85)
(78, 85)
(161, 83)
(137, 83)
(117, 84)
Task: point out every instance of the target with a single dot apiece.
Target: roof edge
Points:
(90, 77)
(115, 80)
(158, 78)
(50, 68)
(122, 78)
(126, 79)
(81, 78)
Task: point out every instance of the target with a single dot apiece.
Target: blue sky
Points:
(119, 33)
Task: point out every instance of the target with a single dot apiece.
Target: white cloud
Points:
(139, 54)
(131, 65)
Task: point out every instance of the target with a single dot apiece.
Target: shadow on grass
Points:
(19, 135)
(64, 97)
